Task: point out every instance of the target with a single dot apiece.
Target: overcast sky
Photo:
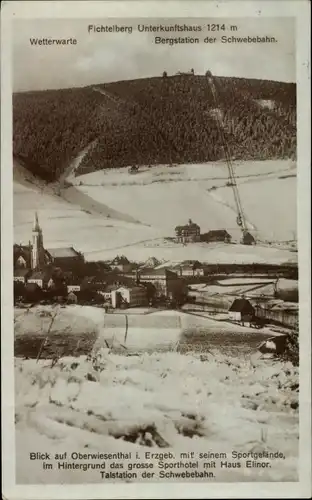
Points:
(106, 57)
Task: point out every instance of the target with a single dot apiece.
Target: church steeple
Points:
(37, 254)
(36, 226)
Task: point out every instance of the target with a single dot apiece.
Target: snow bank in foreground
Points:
(180, 403)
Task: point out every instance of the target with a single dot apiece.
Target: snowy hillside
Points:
(109, 211)
(65, 223)
(165, 197)
(147, 404)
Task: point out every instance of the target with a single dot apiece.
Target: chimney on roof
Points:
(190, 222)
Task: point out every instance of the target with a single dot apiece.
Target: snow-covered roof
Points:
(187, 228)
(231, 290)
(162, 272)
(120, 260)
(287, 306)
(151, 262)
(23, 251)
(110, 288)
(241, 305)
(21, 272)
(40, 275)
(130, 287)
(151, 271)
(190, 263)
(244, 281)
(58, 253)
(217, 232)
(73, 280)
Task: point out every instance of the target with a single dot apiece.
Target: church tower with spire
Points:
(37, 253)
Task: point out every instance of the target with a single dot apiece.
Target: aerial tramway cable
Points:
(232, 180)
(241, 221)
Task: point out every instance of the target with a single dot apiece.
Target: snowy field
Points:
(113, 212)
(95, 390)
(64, 223)
(247, 287)
(165, 197)
(158, 403)
(77, 328)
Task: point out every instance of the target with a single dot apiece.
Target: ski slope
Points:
(65, 223)
(168, 196)
(111, 212)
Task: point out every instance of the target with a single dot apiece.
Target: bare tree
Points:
(45, 341)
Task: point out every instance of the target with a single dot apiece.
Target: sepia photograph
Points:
(155, 250)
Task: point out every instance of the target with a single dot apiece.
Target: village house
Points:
(158, 277)
(21, 275)
(241, 310)
(72, 297)
(22, 256)
(130, 296)
(150, 263)
(97, 286)
(95, 268)
(80, 284)
(73, 284)
(189, 268)
(41, 278)
(21, 262)
(189, 233)
(166, 282)
(103, 285)
(217, 235)
(107, 292)
(121, 263)
(91, 284)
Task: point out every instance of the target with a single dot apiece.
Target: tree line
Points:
(151, 121)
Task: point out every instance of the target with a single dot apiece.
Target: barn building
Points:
(190, 268)
(241, 310)
(189, 233)
(21, 275)
(160, 278)
(218, 235)
(108, 290)
(22, 256)
(41, 278)
(72, 298)
(73, 284)
(166, 283)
